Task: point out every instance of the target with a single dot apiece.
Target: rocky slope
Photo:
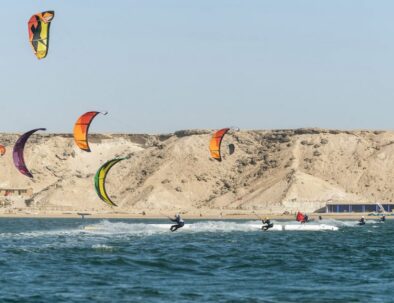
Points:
(270, 171)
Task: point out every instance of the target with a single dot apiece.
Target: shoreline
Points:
(354, 216)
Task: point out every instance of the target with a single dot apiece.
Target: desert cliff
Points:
(270, 171)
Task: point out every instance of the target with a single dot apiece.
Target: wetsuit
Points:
(383, 218)
(267, 225)
(179, 223)
(361, 222)
(306, 219)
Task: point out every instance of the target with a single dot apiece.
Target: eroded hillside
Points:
(270, 171)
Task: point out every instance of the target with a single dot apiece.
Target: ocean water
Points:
(57, 260)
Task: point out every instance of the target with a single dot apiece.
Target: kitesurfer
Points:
(179, 222)
(266, 224)
(383, 218)
(361, 221)
(306, 219)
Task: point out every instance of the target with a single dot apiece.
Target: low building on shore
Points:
(23, 192)
(349, 207)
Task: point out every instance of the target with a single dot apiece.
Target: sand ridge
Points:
(271, 171)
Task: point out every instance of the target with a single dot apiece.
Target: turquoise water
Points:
(56, 260)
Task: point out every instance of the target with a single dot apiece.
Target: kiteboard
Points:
(91, 227)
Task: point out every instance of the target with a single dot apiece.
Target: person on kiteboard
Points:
(305, 220)
(179, 223)
(361, 221)
(383, 218)
(302, 218)
(266, 224)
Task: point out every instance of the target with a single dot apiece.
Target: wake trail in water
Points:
(346, 223)
(200, 227)
(106, 228)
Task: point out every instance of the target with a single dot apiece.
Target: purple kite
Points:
(17, 153)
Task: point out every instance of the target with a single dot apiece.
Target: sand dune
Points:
(270, 171)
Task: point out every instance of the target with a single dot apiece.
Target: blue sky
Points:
(159, 66)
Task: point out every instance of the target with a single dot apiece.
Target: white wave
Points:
(346, 223)
(106, 227)
(102, 247)
(41, 233)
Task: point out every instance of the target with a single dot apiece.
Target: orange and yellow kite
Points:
(39, 25)
(81, 129)
(216, 142)
(2, 150)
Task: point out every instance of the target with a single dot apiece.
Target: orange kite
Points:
(216, 141)
(81, 129)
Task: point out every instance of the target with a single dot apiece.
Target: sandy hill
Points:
(270, 171)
